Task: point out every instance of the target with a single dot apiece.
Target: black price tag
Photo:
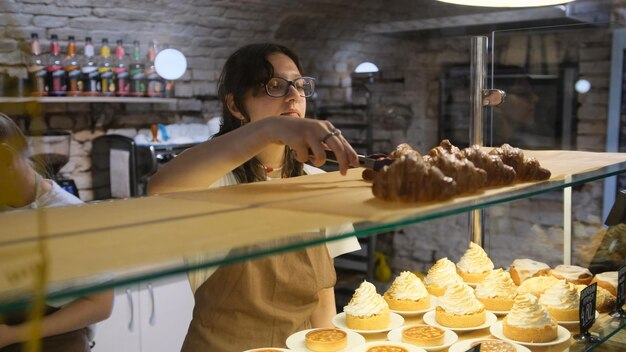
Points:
(587, 308)
(621, 287)
(474, 349)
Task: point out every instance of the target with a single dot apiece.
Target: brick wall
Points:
(331, 39)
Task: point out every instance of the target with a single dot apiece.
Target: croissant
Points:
(410, 179)
(498, 173)
(402, 150)
(468, 177)
(527, 168)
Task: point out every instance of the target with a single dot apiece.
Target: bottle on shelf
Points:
(89, 70)
(120, 64)
(155, 84)
(37, 68)
(105, 69)
(137, 74)
(72, 68)
(56, 73)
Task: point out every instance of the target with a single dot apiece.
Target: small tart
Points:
(326, 340)
(529, 321)
(373, 322)
(546, 333)
(494, 346)
(460, 321)
(424, 335)
(440, 276)
(387, 348)
(562, 301)
(407, 293)
(474, 265)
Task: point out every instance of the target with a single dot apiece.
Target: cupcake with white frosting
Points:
(497, 292)
(440, 276)
(529, 321)
(407, 293)
(459, 308)
(474, 265)
(562, 301)
(367, 310)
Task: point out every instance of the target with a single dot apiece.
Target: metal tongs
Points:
(374, 162)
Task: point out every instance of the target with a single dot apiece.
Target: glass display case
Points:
(71, 251)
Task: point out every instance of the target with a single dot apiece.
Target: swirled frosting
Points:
(407, 286)
(475, 260)
(528, 313)
(459, 299)
(563, 295)
(366, 302)
(497, 284)
(443, 274)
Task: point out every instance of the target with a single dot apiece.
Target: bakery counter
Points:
(605, 327)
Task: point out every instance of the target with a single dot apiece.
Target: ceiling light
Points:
(506, 3)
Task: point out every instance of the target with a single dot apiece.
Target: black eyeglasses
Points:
(279, 87)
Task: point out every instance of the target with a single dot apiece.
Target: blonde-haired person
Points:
(264, 135)
(68, 325)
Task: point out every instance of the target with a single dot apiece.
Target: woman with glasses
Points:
(264, 135)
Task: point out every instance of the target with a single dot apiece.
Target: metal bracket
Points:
(493, 97)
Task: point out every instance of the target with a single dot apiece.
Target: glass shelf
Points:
(106, 244)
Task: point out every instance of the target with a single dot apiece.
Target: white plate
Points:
(562, 335)
(449, 337)
(410, 313)
(463, 346)
(490, 319)
(267, 348)
(364, 348)
(397, 320)
(295, 342)
(575, 322)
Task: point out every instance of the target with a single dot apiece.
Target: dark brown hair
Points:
(12, 135)
(246, 70)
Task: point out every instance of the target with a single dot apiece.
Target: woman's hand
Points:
(307, 135)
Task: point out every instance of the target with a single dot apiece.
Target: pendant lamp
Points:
(507, 3)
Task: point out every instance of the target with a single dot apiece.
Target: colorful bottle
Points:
(89, 70)
(37, 68)
(137, 75)
(155, 84)
(120, 64)
(56, 74)
(72, 68)
(105, 69)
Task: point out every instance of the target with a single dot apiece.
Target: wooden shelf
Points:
(72, 100)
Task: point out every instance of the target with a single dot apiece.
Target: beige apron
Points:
(260, 302)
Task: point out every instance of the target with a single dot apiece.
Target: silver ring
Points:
(334, 132)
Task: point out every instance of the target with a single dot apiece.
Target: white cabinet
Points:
(150, 316)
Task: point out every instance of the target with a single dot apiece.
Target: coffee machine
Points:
(49, 152)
